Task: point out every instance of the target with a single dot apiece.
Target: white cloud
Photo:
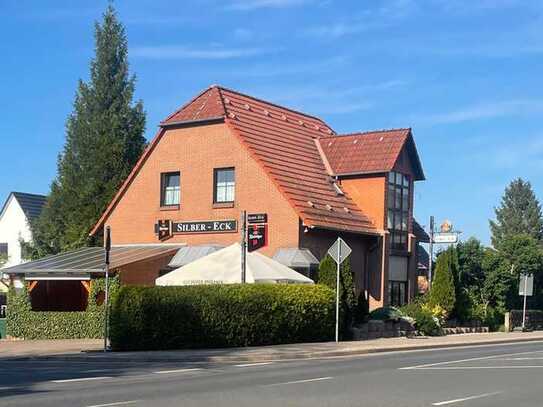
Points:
(391, 12)
(484, 111)
(183, 52)
(247, 5)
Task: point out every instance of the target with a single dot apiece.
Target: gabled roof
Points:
(369, 152)
(282, 141)
(31, 204)
(299, 153)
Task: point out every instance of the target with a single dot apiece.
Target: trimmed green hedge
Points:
(22, 322)
(220, 316)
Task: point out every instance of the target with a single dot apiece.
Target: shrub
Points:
(221, 316)
(350, 310)
(386, 314)
(443, 291)
(22, 322)
(428, 319)
(426, 323)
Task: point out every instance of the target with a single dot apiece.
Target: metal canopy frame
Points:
(88, 261)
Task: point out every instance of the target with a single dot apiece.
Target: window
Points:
(398, 210)
(3, 249)
(225, 185)
(397, 293)
(170, 189)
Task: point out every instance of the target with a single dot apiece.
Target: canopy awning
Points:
(224, 267)
(188, 254)
(296, 257)
(82, 263)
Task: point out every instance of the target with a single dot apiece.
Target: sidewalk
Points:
(87, 350)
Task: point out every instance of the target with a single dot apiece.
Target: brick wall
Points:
(195, 152)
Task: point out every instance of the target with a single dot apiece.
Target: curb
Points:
(92, 356)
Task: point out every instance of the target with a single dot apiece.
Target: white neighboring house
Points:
(18, 210)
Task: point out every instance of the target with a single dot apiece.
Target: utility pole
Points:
(107, 242)
(431, 254)
(243, 246)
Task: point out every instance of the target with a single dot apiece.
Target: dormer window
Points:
(398, 209)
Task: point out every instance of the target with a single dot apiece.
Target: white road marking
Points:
(81, 379)
(318, 379)
(480, 367)
(254, 364)
(480, 396)
(465, 360)
(96, 370)
(118, 403)
(176, 371)
(524, 359)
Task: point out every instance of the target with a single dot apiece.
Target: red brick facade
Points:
(196, 148)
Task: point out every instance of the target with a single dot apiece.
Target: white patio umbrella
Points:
(224, 267)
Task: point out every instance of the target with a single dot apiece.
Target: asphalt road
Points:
(498, 376)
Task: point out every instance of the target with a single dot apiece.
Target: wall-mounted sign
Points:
(253, 218)
(446, 238)
(163, 229)
(257, 237)
(166, 228)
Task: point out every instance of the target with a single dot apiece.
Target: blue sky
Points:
(466, 75)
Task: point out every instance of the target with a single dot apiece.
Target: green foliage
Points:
(426, 323)
(3, 259)
(385, 314)
(523, 253)
(351, 309)
(22, 322)
(470, 262)
(519, 213)
(443, 291)
(104, 140)
(221, 315)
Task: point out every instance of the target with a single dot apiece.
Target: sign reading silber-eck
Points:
(167, 228)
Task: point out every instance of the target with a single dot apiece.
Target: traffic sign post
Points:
(525, 288)
(339, 251)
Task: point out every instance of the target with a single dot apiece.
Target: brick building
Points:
(224, 152)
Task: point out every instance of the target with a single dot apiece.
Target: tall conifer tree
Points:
(104, 139)
(519, 213)
(443, 292)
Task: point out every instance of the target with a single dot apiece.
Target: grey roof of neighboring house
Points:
(32, 204)
(420, 233)
(423, 258)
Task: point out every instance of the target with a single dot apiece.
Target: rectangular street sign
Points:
(257, 218)
(528, 283)
(445, 238)
(344, 250)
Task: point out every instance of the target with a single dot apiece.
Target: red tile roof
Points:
(285, 143)
(367, 153)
